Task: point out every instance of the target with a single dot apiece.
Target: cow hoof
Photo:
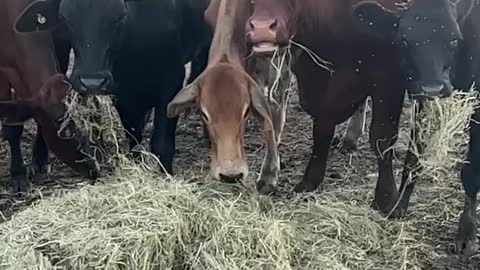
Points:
(397, 213)
(348, 145)
(19, 184)
(266, 188)
(336, 141)
(39, 173)
(466, 240)
(304, 187)
(465, 246)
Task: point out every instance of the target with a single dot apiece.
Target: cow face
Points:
(428, 34)
(271, 25)
(95, 29)
(224, 95)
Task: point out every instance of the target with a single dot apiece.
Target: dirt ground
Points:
(433, 214)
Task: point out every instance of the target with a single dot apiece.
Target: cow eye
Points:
(204, 116)
(454, 43)
(247, 111)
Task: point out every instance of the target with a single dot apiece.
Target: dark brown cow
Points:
(225, 93)
(31, 86)
(363, 66)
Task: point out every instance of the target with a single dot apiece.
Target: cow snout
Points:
(432, 90)
(95, 84)
(230, 172)
(231, 177)
(262, 34)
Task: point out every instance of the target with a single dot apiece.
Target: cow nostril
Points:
(274, 24)
(433, 88)
(93, 83)
(231, 177)
(252, 25)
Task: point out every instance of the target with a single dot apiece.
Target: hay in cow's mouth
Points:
(442, 130)
(137, 221)
(97, 119)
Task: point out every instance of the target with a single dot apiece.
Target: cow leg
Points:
(163, 138)
(323, 132)
(411, 168)
(354, 129)
(164, 128)
(18, 173)
(199, 63)
(267, 183)
(40, 164)
(466, 240)
(383, 135)
(133, 121)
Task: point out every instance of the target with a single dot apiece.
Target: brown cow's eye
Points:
(204, 116)
(454, 43)
(247, 111)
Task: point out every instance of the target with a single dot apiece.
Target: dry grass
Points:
(98, 119)
(137, 220)
(442, 126)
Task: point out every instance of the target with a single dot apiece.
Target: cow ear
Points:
(375, 19)
(186, 98)
(40, 15)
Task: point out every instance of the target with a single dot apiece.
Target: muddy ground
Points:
(433, 214)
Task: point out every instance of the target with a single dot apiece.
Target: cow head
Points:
(271, 25)
(225, 94)
(427, 32)
(95, 29)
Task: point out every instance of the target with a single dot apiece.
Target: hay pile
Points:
(442, 129)
(137, 221)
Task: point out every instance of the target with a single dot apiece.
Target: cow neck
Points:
(228, 44)
(37, 61)
(32, 55)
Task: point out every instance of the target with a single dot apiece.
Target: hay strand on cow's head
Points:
(442, 130)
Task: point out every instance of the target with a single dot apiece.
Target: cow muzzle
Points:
(263, 35)
(230, 171)
(423, 91)
(100, 83)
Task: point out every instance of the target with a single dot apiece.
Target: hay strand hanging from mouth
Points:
(442, 128)
(97, 118)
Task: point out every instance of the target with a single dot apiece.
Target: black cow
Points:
(134, 49)
(441, 43)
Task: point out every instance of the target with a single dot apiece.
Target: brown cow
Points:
(363, 66)
(225, 93)
(31, 86)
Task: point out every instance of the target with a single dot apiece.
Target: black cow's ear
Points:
(40, 15)
(375, 19)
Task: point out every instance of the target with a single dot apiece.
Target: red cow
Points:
(32, 86)
(364, 66)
